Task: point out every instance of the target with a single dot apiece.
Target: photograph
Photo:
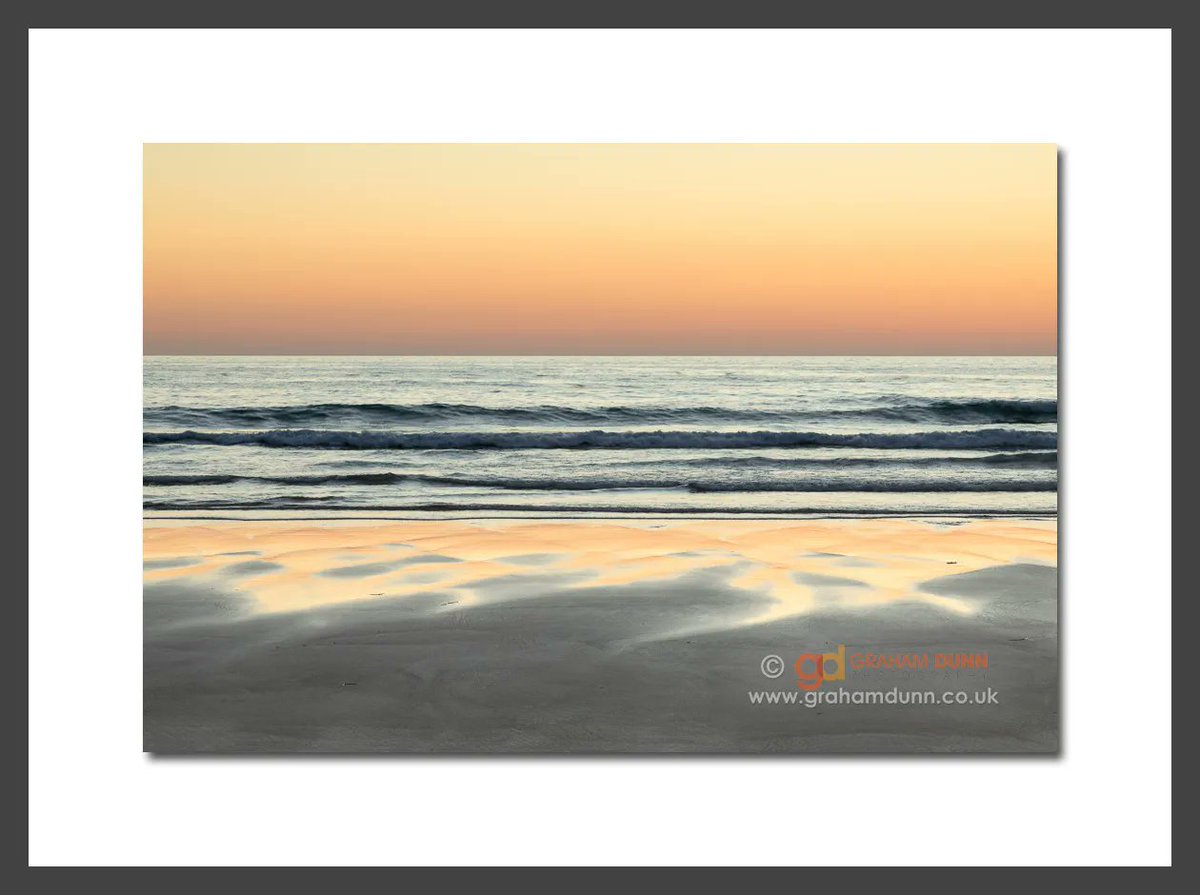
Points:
(570, 448)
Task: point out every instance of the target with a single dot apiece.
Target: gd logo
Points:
(819, 672)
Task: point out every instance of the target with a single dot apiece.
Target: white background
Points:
(95, 96)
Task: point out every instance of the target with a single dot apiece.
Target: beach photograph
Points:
(600, 449)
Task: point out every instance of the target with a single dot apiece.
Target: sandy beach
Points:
(598, 636)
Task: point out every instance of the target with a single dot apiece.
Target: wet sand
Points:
(518, 636)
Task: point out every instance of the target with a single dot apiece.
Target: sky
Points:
(600, 249)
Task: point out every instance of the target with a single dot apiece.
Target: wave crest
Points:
(979, 439)
(976, 411)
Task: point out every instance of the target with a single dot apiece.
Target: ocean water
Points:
(591, 436)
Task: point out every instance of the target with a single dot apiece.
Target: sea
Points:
(582, 437)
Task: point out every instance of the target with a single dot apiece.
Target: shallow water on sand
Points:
(794, 566)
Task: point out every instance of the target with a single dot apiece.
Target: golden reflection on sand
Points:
(799, 565)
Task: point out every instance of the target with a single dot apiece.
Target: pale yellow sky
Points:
(600, 249)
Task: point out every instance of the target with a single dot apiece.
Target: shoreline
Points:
(700, 516)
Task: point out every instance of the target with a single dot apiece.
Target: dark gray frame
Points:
(21, 15)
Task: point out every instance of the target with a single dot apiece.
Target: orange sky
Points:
(600, 249)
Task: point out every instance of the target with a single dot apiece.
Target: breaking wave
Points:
(979, 439)
(966, 412)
